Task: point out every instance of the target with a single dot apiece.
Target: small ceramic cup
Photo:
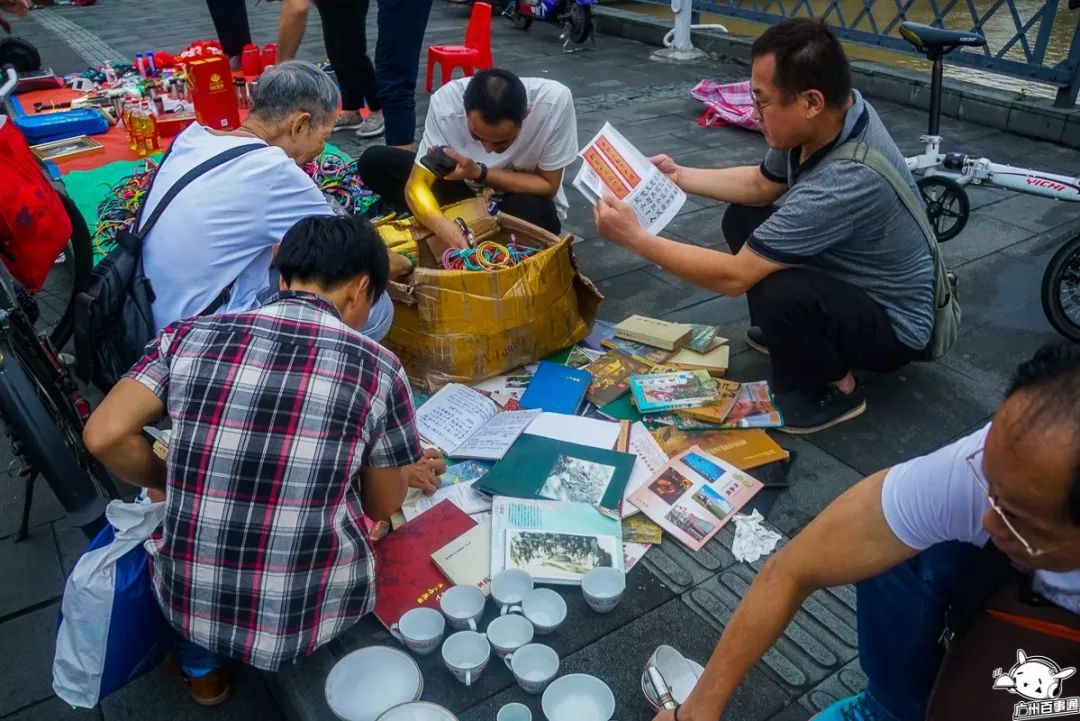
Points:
(509, 633)
(533, 666)
(463, 606)
(545, 609)
(514, 712)
(510, 587)
(466, 654)
(603, 588)
(420, 630)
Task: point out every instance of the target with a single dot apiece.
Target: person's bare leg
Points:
(291, 26)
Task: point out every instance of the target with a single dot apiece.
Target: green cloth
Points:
(89, 187)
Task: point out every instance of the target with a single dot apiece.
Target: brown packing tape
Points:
(464, 326)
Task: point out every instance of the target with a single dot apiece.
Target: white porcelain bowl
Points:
(370, 681)
(418, 711)
(578, 697)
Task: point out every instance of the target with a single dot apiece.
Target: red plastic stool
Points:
(473, 55)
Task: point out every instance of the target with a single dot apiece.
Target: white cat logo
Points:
(1035, 678)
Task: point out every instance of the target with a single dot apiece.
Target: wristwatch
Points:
(483, 174)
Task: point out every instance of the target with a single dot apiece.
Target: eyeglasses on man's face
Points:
(974, 464)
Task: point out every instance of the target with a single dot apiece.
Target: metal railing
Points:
(1017, 46)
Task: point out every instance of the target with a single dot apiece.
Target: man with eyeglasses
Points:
(909, 536)
(838, 276)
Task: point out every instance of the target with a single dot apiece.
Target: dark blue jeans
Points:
(901, 616)
(402, 24)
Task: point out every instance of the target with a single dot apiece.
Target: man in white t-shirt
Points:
(513, 135)
(221, 230)
(909, 536)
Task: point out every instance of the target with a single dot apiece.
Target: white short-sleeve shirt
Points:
(548, 138)
(934, 499)
(223, 226)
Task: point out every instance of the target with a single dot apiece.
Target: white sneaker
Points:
(371, 127)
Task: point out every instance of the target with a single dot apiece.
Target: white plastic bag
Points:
(111, 628)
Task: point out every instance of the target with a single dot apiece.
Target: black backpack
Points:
(113, 320)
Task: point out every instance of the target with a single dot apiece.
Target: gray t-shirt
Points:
(844, 219)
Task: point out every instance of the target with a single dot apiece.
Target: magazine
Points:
(694, 495)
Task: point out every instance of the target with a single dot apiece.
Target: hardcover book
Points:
(539, 467)
(638, 351)
(405, 576)
(556, 388)
(744, 449)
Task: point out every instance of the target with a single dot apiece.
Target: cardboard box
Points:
(211, 84)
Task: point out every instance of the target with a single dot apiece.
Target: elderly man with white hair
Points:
(211, 248)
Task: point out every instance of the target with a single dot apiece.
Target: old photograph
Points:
(558, 556)
(713, 502)
(689, 522)
(671, 485)
(575, 479)
(703, 466)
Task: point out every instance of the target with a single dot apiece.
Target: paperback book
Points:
(694, 495)
(662, 392)
(553, 541)
(754, 408)
(611, 377)
(467, 424)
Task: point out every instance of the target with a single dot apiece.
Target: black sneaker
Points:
(756, 339)
(813, 410)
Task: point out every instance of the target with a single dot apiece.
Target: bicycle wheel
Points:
(947, 205)
(581, 23)
(55, 300)
(1061, 290)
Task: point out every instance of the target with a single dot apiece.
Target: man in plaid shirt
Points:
(288, 426)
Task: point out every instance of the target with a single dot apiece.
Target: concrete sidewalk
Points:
(675, 596)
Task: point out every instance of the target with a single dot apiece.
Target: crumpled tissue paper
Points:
(752, 539)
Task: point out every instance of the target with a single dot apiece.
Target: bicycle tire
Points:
(1064, 267)
(581, 23)
(44, 445)
(951, 203)
(82, 251)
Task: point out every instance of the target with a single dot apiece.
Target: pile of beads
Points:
(339, 181)
(487, 255)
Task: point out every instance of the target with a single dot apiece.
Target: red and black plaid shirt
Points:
(262, 554)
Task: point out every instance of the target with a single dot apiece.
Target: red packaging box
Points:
(211, 84)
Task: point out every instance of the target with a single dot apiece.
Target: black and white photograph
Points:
(558, 556)
(578, 480)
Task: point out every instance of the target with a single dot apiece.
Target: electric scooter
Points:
(573, 16)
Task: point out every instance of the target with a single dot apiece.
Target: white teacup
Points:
(578, 697)
(463, 606)
(514, 712)
(510, 587)
(421, 630)
(509, 633)
(603, 588)
(545, 609)
(533, 666)
(466, 654)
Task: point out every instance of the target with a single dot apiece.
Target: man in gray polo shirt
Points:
(838, 276)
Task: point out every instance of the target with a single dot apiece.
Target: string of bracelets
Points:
(117, 210)
(340, 181)
(487, 255)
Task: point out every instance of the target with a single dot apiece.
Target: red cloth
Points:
(34, 226)
(727, 104)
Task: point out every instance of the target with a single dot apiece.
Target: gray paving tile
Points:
(159, 695)
(54, 710)
(35, 565)
(45, 507)
(910, 412)
(846, 682)
(997, 284)
(645, 288)
(984, 234)
(815, 479)
(26, 665)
